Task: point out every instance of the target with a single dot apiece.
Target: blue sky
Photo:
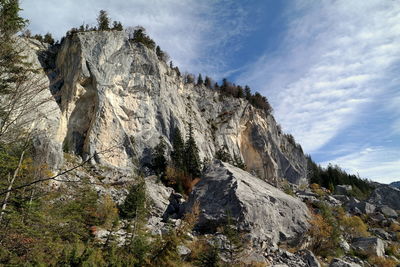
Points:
(329, 68)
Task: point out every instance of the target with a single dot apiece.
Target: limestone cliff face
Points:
(117, 94)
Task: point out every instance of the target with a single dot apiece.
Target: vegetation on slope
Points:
(331, 176)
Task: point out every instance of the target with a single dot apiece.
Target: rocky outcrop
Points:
(114, 99)
(395, 184)
(263, 211)
(387, 196)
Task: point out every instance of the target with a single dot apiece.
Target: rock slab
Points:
(263, 211)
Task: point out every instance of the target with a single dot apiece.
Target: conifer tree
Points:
(48, 38)
(207, 82)
(178, 149)
(240, 92)
(117, 26)
(223, 155)
(159, 160)
(200, 80)
(192, 159)
(247, 92)
(135, 202)
(103, 21)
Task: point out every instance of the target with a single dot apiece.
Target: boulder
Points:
(344, 245)
(261, 210)
(158, 194)
(343, 189)
(359, 207)
(388, 212)
(341, 263)
(369, 246)
(310, 259)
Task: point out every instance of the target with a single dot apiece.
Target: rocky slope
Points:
(113, 93)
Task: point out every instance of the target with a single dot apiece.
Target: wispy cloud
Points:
(196, 34)
(334, 63)
(376, 163)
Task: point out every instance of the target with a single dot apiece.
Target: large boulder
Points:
(359, 207)
(263, 211)
(369, 246)
(388, 212)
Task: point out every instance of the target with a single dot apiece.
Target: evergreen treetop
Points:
(103, 21)
(200, 80)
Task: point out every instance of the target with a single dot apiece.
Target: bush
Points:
(179, 180)
(382, 261)
(320, 233)
(353, 226)
(325, 232)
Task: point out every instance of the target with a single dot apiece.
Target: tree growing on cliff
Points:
(139, 36)
(48, 38)
(192, 159)
(103, 21)
(200, 80)
(178, 149)
(208, 82)
(117, 25)
(159, 160)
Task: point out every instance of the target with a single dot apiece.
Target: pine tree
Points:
(117, 26)
(135, 202)
(48, 38)
(247, 92)
(207, 82)
(192, 159)
(178, 146)
(161, 54)
(240, 92)
(200, 80)
(223, 155)
(103, 21)
(159, 160)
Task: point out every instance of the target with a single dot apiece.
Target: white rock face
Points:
(42, 114)
(265, 212)
(117, 94)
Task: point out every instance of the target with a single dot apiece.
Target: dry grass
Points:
(382, 261)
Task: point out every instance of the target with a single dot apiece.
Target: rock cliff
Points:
(113, 93)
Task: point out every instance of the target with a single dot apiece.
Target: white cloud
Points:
(376, 163)
(334, 62)
(191, 31)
